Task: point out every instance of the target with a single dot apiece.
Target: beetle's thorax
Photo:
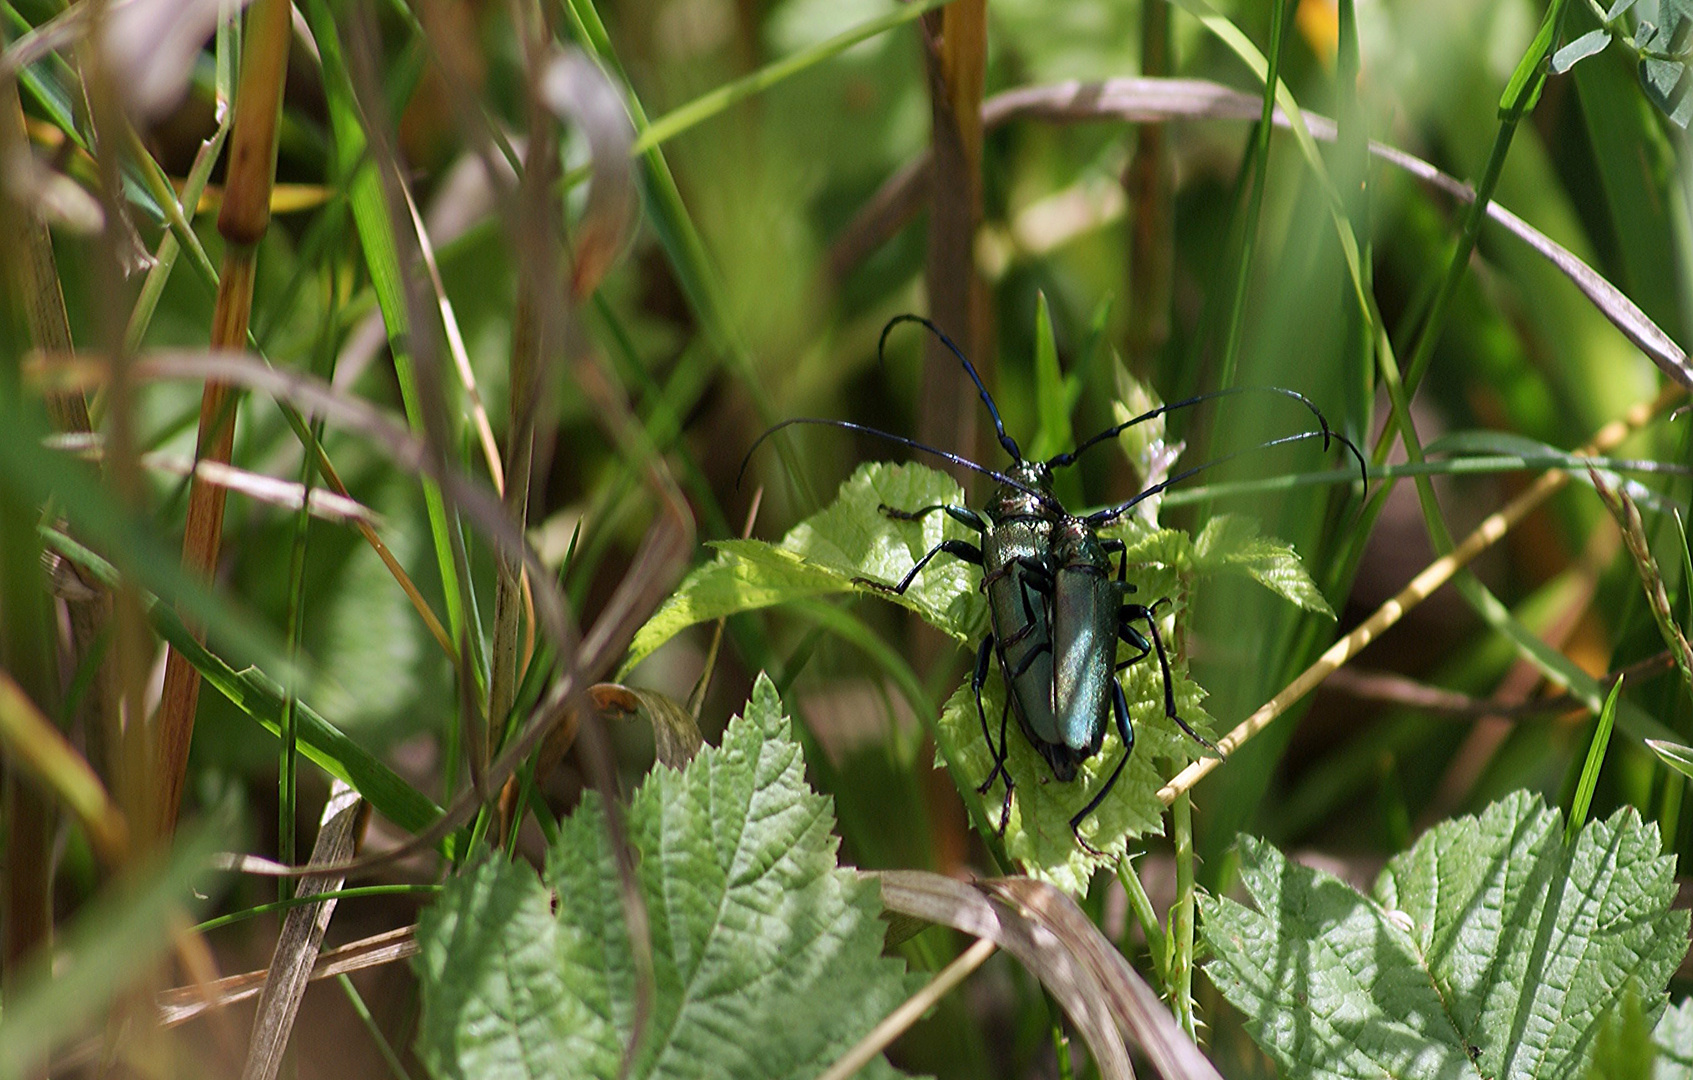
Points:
(1014, 502)
(1075, 546)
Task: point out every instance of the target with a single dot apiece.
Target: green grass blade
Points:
(1583, 800)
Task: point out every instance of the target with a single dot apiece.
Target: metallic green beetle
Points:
(1056, 612)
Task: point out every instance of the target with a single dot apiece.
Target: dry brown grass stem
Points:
(242, 222)
(957, 59)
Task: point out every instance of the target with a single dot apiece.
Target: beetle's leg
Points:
(1148, 614)
(1010, 785)
(1134, 639)
(1120, 710)
(1029, 658)
(1036, 576)
(1035, 573)
(977, 681)
(961, 514)
(962, 549)
(1114, 546)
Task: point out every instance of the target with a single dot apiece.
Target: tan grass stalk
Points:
(242, 222)
(1149, 184)
(957, 60)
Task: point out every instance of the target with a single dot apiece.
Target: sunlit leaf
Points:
(1491, 948)
(851, 538)
(766, 957)
(1230, 543)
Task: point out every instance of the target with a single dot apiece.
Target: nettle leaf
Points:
(1490, 948)
(766, 957)
(1038, 832)
(850, 538)
(1667, 82)
(1230, 543)
(853, 538)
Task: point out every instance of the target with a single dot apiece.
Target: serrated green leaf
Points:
(766, 957)
(1038, 833)
(822, 554)
(1230, 543)
(1674, 1037)
(495, 1004)
(1490, 948)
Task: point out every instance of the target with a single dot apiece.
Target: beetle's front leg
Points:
(1131, 613)
(961, 549)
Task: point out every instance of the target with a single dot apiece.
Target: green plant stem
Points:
(1180, 981)
(383, 1047)
(354, 892)
(1157, 944)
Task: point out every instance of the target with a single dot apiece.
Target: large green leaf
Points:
(1038, 832)
(851, 538)
(1490, 948)
(766, 958)
(1230, 543)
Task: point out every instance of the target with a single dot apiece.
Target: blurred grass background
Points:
(746, 285)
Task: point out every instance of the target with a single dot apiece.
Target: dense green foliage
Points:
(533, 280)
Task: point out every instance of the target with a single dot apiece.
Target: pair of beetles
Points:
(1057, 607)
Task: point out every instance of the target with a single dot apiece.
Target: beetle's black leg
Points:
(961, 514)
(1035, 575)
(1114, 546)
(1134, 639)
(1124, 630)
(1029, 658)
(962, 549)
(1142, 612)
(1120, 710)
(1010, 785)
(977, 681)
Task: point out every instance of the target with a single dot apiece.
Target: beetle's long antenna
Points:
(1005, 440)
(1113, 431)
(1111, 513)
(1045, 498)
